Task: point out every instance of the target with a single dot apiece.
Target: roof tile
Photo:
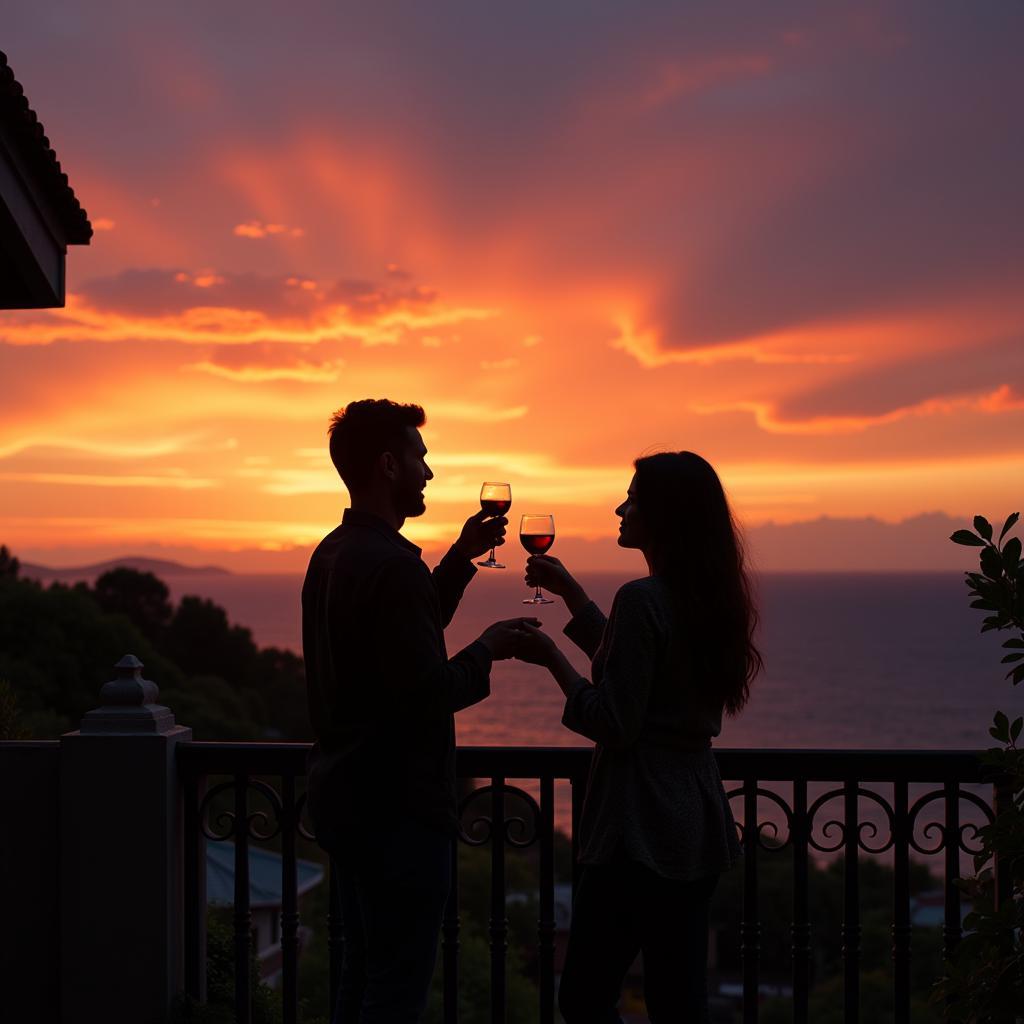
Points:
(30, 136)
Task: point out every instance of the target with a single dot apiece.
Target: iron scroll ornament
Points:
(764, 826)
(225, 825)
(840, 826)
(943, 828)
(480, 829)
(832, 833)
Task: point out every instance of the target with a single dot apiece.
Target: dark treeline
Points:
(58, 645)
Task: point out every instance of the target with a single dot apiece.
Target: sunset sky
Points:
(786, 236)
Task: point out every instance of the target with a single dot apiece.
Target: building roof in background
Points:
(264, 875)
(28, 135)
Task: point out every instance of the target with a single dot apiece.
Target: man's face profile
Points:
(413, 474)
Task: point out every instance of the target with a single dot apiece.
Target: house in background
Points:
(40, 215)
(265, 899)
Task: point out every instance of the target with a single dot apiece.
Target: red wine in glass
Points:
(495, 500)
(494, 507)
(537, 534)
(536, 543)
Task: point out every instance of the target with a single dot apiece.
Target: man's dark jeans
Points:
(393, 885)
(621, 909)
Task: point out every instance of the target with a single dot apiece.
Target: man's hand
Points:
(503, 638)
(480, 534)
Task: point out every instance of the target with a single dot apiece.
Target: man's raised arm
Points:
(456, 569)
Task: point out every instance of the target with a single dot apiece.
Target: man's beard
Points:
(410, 501)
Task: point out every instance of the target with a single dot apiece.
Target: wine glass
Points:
(495, 500)
(537, 534)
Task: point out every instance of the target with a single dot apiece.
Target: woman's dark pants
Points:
(622, 909)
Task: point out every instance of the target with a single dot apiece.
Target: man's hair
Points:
(362, 431)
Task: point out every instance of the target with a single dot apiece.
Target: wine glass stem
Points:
(491, 558)
(538, 596)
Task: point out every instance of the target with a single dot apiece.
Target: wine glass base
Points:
(537, 600)
(490, 564)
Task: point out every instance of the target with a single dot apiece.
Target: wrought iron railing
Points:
(818, 803)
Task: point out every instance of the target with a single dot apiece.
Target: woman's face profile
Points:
(629, 528)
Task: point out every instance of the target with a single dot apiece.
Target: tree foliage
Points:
(10, 715)
(219, 1007)
(140, 596)
(58, 645)
(9, 565)
(984, 979)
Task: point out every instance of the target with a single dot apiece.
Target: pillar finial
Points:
(128, 704)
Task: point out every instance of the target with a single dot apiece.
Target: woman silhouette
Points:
(656, 830)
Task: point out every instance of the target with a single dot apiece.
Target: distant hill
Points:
(87, 573)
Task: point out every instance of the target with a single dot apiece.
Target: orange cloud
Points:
(307, 373)
(369, 315)
(169, 481)
(103, 449)
(1003, 399)
(767, 416)
(645, 346)
(679, 79)
(257, 229)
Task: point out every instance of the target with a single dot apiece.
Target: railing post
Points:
(851, 929)
(120, 858)
(801, 927)
(546, 901)
(1002, 799)
(750, 926)
(498, 930)
(194, 856)
(901, 928)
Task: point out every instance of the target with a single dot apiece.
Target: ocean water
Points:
(873, 660)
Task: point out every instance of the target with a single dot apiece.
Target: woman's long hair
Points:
(695, 546)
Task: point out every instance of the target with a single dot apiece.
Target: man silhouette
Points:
(382, 693)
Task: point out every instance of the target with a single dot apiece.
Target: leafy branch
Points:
(984, 976)
(999, 587)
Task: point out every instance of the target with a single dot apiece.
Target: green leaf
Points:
(1019, 644)
(983, 526)
(967, 538)
(1017, 673)
(1011, 520)
(1009, 658)
(1018, 724)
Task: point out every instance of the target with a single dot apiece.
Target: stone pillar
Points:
(120, 860)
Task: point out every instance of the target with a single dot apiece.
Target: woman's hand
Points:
(548, 572)
(503, 639)
(535, 646)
